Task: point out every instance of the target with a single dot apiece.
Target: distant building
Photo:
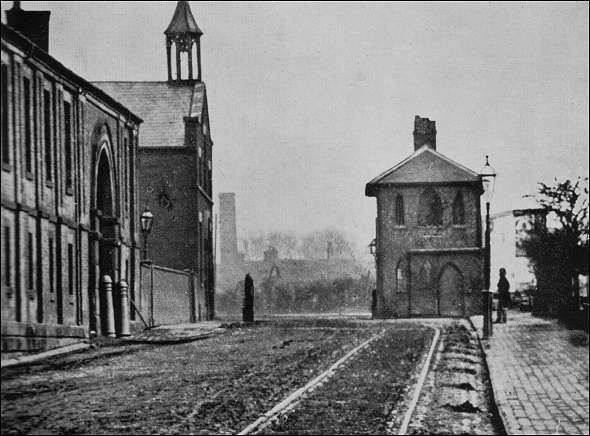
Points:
(69, 206)
(428, 244)
(509, 229)
(175, 156)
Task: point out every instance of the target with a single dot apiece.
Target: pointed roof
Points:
(183, 21)
(425, 165)
(163, 107)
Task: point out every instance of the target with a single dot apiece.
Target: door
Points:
(450, 292)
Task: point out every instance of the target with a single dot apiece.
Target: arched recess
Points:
(430, 211)
(451, 301)
(104, 252)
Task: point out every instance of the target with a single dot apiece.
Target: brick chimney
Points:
(34, 25)
(424, 133)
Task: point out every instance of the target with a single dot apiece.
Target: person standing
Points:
(248, 309)
(503, 296)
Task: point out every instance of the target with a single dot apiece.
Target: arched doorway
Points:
(105, 235)
(450, 292)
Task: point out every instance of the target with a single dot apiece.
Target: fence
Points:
(171, 295)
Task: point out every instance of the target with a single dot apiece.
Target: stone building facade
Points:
(175, 156)
(428, 234)
(69, 199)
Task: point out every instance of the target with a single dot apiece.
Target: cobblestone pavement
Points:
(539, 378)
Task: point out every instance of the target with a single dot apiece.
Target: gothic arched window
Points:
(401, 284)
(399, 210)
(458, 209)
(429, 208)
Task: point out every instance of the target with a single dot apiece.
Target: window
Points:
(5, 118)
(51, 267)
(30, 275)
(68, 144)
(429, 208)
(47, 134)
(399, 210)
(400, 277)
(71, 269)
(458, 210)
(125, 180)
(28, 128)
(7, 257)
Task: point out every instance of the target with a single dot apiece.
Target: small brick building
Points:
(69, 208)
(428, 245)
(175, 155)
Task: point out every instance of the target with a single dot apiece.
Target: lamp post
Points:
(488, 177)
(147, 220)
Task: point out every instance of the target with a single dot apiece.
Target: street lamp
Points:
(146, 220)
(488, 177)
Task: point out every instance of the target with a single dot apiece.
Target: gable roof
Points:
(31, 49)
(183, 21)
(163, 107)
(425, 165)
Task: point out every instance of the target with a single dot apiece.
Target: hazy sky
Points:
(309, 101)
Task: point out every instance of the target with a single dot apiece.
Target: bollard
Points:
(109, 314)
(125, 329)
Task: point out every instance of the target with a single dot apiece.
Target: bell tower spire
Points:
(183, 34)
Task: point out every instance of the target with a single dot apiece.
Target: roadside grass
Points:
(218, 385)
(361, 396)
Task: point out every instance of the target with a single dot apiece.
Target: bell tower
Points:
(184, 36)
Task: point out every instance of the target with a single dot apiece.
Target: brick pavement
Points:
(539, 378)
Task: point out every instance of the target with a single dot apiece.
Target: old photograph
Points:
(295, 217)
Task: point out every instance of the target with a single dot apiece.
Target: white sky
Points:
(309, 101)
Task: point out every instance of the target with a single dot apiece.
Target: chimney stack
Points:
(34, 25)
(424, 133)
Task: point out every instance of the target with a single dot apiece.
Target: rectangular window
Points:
(30, 275)
(71, 269)
(28, 128)
(68, 143)
(5, 118)
(51, 267)
(125, 181)
(6, 255)
(47, 134)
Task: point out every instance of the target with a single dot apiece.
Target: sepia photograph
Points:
(250, 217)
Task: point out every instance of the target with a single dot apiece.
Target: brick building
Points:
(175, 155)
(69, 204)
(428, 227)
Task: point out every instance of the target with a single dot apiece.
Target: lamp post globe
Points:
(488, 178)
(146, 220)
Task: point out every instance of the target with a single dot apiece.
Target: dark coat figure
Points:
(248, 309)
(503, 296)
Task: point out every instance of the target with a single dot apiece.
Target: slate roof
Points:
(162, 106)
(425, 165)
(183, 21)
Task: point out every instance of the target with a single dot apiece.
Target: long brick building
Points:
(428, 244)
(69, 199)
(175, 155)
